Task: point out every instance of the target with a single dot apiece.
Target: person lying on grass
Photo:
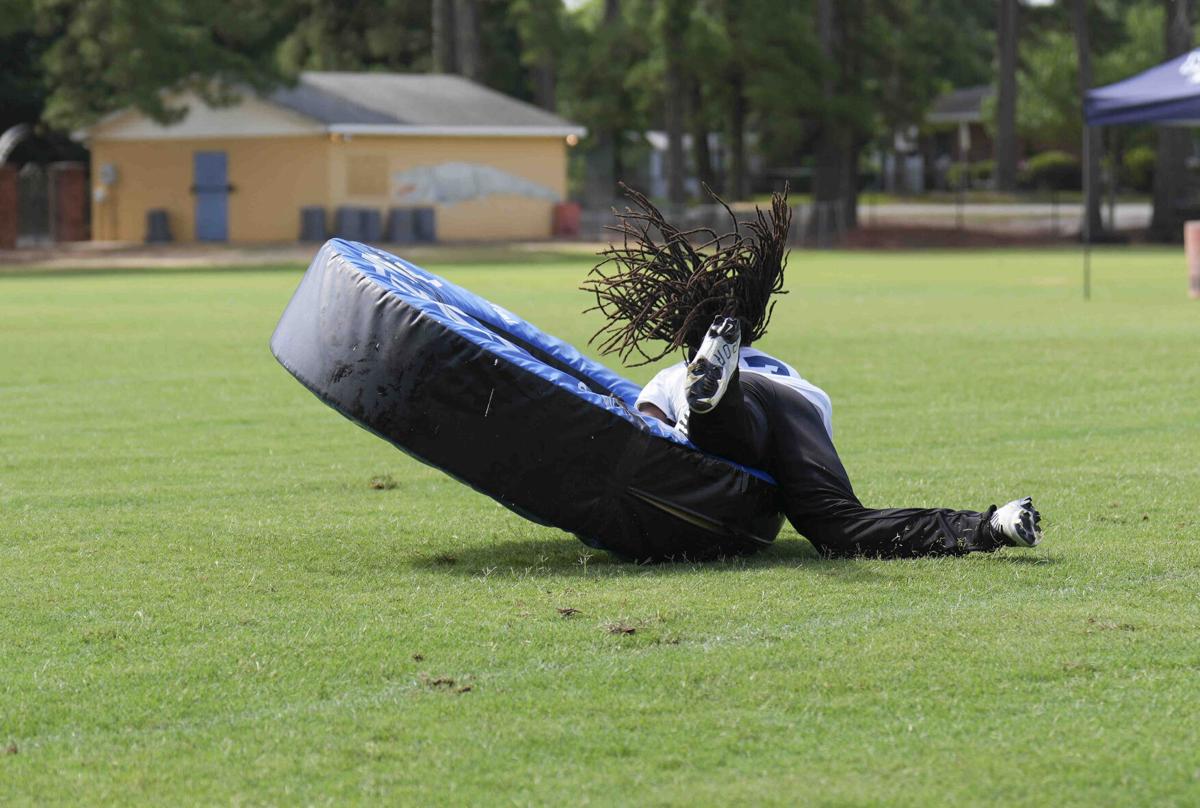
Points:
(711, 295)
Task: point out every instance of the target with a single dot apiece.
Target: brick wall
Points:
(69, 202)
(8, 207)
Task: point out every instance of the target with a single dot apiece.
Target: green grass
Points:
(206, 601)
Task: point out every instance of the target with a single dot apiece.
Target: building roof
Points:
(350, 104)
(963, 105)
(414, 103)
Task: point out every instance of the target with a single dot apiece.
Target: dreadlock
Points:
(669, 291)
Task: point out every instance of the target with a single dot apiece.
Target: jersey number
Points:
(765, 362)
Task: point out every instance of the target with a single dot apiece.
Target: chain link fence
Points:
(815, 225)
(939, 218)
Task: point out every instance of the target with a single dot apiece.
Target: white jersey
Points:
(666, 390)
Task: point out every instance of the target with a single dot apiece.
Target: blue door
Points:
(210, 184)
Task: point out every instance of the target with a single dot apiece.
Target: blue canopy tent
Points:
(1166, 94)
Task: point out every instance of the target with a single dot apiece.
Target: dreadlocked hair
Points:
(663, 284)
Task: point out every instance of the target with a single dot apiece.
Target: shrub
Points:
(979, 174)
(1051, 171)
(983, 172)
(954, 175)
(1137, 168)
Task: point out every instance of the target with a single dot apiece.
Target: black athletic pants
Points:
(767, 425)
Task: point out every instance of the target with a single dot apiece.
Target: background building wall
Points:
(272, 179)
(540, 161)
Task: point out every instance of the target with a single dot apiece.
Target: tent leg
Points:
(1088, 190)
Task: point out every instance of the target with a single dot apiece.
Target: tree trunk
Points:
(1091, 169)
(466, 38)
(735, 169)
(1006, 99)
(735, 180)
(1170, 166)
(604, 160)
(700, 151)
(835, 172)
(545, 86)
(612, 18)
(443, 37)
(673, 107)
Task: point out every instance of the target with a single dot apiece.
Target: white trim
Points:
(454, 131)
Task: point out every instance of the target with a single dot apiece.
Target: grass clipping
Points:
(665, 285)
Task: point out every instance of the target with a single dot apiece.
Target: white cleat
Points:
(1018, 523)
(711, 369)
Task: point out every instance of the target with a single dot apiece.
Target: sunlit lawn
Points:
(205, 601)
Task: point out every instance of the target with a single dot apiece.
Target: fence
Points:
(1025, 216)
(33, 205)
(43, 204)
(813, 225)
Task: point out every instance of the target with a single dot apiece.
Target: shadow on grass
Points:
(534, 557)
(520, 558)
(1025, 558)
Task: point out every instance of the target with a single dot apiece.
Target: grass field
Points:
(205, 600)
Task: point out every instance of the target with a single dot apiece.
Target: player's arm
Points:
(655, 398)
(653, 410)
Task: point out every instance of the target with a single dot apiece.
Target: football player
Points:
(711, 295)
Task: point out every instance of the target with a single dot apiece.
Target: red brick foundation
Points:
(8, 207)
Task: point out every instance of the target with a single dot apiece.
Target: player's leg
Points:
(820, 502)
(736, 428)
(722, 420)
(714, 365)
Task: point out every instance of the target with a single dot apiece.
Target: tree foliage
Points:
(766, 75)
(383, 35)
(111, 54)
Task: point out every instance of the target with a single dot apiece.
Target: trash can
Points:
(312, 224)
(424, 225)
(348, 223)
(158, 226)
(371, 223)
(400, 226)
(566, 219)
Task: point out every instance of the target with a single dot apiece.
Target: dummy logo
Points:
(1191, 67)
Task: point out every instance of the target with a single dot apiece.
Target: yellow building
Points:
(488, 166)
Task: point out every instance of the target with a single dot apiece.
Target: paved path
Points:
(1030, 217)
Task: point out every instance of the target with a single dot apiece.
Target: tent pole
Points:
(1087, 212)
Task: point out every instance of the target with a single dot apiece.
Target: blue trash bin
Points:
(424, 224)
(158, 227)
(400, 226)
(371, 223)
(348, 223)
(312, 224)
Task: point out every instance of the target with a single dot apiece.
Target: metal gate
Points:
(33, 205)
